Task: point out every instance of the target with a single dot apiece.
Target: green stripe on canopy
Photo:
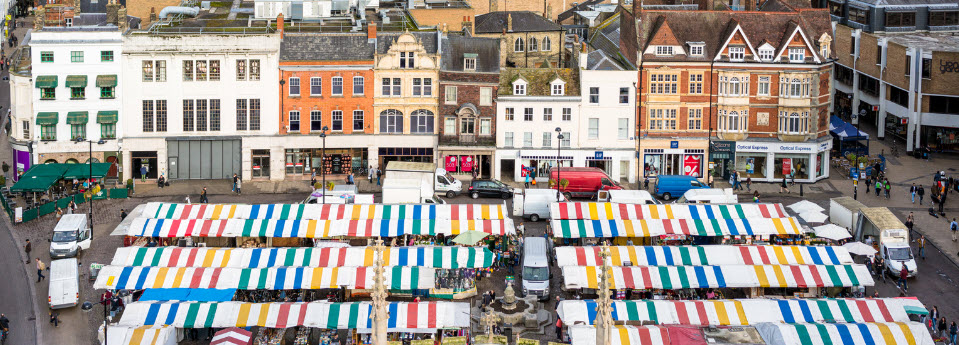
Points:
(76, 81)
(46, 81)
(48, 118)
(78, 117)
(109, 80)
(107, 116)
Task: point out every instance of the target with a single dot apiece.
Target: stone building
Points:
(527, 40)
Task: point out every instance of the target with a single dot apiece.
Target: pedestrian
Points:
(379, 176)
(922, 246)
(881, 268)
(313, 179)
(749, 184)
(954, 227)
(526, 180)
(239, 183)
(868, 183)
(40, 268)
(887, 186)
(910, 220)
(371, 173)
(143, 173)
(941, 331)
(878, 187)
(203, 198)
(921, 191)
(123, 214)
(559, 328)
(953, 329)
(55, 319)
(349, 178)
(26, 249)
(234, 182)
(934, 318)
(646, 183)
(903, 278)
(756, 196)
(784, 186)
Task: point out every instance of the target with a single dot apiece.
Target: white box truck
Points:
(64, 289)
(70, 236)
(844, 211)
(340, 194)
(879, 224)
(627, 197)
(442, 182)
(409, 191)
(533, 204)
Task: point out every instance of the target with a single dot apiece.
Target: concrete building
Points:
(894, 70)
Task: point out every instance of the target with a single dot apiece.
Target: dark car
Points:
(490, 188)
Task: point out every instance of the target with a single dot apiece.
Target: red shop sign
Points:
(691, 165)
(467, 163)
(450, 163)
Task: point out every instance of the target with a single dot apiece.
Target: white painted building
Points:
(200, 106)
(75, 94)
(607, 120)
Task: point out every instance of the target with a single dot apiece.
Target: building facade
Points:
(469, 80)
(607, 119)
(527, 40)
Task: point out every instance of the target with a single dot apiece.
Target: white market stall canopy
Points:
(610, 211)
(403, 316)
(282, 278)
(153, 335)
(716, 255)
(582, 228)
(152, 227)
(743, 312)
(621, 335)
(431, 256)
(910, 333)
(731, 276)
(326, 211)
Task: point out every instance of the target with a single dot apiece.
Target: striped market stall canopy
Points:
(901, 333)
(403, 316)
(580, 228)
(732, 276)
(433, 257)
(610, 211)
(154, 335)
(743, 312)
(135, 278)
(151, 227)
(716, 255)
(621, 335)
(326, 211)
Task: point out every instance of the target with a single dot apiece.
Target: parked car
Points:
(668, 186)
(583, 182)
(490, 188)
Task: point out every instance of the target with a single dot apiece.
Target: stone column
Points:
(381, 314)
(604, 307)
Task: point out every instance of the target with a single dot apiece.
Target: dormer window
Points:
(557, 88)
(469, 62)
(519, 87)
(737, 53)
(406, 59)
(766, 53)
(797, 54)
(664, 50)
(696, 50)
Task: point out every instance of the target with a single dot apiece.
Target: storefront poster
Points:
(691, 164)
(787, 166)
(467, 163)
(450, 163)
(750, 165)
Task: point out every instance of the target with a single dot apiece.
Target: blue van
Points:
(669, 186)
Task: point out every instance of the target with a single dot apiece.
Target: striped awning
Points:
(48, 118)
(281, 278)
(109, 80)
(733, 276)
(741, 312)
(403, 316)
(909, 333)
(580, 228)
(149, 227)
(621, 335)
(609, 211)
(78, 117)
(157, 335)
(76, 81)
(326, 211)
(107, 116)
(716, 255)
(434, 257)
(46, 81)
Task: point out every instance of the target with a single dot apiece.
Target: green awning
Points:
(81, 171)
(76, 81)
(46, 81)
(48, 118)
(107, 80)
(107, 116)
(39, 178)
(77, 117)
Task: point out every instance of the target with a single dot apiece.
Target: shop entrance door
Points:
(672, 164)
(598, 164)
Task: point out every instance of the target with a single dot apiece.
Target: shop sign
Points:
(787, 166)
(691, 165)
(674, 144)
(450, 163)
(783, 148)
(467, 163)
(723, 147)
(598, 155)
(904, 121)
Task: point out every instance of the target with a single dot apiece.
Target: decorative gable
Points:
(663, 42)
(520, 86)
(737, 43)
(797, 45)
(825, 45)
(766, 52)
(557, 87)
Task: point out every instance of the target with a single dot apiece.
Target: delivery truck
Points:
(879, 225)
(533, 204)
(844, 211)
(442, 182)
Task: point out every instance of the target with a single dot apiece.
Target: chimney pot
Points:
(371, 31)
(279, 24)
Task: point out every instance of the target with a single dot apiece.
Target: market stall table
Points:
(578, 228)
(152, 227)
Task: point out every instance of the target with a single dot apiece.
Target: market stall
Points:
(621, 335)
(155, 335)
(860, 333)
(326, 211)
(579, 228)
(153, 227)
(279, 278)
(610, 211)
(731, 276)
(714, 255)
(744, 311)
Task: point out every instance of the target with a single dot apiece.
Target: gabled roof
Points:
(606, 38)
(326, 47)
(455, 49)
(597, 60)
(663, 35)
(523, 21)
(384, 40)
(794, 30)
(538, 80)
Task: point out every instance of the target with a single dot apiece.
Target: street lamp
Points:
(323, 160)
(90, 180)
(559, 145)
(88, 307)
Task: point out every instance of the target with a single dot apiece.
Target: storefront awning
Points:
(159, 335)
(327, 211)
(611, 211)
(107, 116)
(77, 117)
(149, 227)
(107, 80)
(403, 316)
(741, 312)
(82, 171)
(704, 255)
(733, 276)
(76, 81)
(48, 118)
(136, 278)
(46, 81)
(430, 256)
(579, 228)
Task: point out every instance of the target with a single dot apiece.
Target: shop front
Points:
(405, 154)
(145, 161)
(673, 157)
(465, 163)
(21, 160)
(302, 162)
(536, 165)
(722, 159)
(770, 162)
(896, 126)
(941, 139)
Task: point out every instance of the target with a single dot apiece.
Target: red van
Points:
(583, 182)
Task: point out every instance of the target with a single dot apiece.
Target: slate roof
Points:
(326, 47)
(597, 60)
(701, 26)
(486, 50)
(523, 21)
(538, 80)
(385, 40)
(606, 38)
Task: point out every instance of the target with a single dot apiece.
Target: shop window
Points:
(261, 163)
(944, 105)
(791, 166)
(900, 19)
(943, 18)
(751, 164)
(391, 121)
(421, 121)
(898, 96)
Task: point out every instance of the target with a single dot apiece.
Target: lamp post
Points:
(90, 180)
(87, 307)
(323, 160)
(559, 145)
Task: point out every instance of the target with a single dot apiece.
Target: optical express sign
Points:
(784, 148)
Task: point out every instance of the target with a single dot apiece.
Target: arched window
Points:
(50, 161)
(795, 88)
(532, 44)
(734, 87)
(421, 121)
(546, 43)
(518, 45)
(94, 160)
(391, 121)
(72, 161)
(793, 123)
(732, 121)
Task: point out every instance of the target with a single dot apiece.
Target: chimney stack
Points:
(509, 22)
(279, 24)
(371, 31)
(750, 5)
(112, 13)
(467, 25)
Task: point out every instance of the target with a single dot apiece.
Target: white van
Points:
(341, 194)
(627, 197)
(70, 236)
(709, 196)
(535, 272)
(533, 204)
(64, 289)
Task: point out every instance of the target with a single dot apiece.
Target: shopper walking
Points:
(922, 246)
(756, 196)
(349, 179)
(941, 332)
(903, 278)
(526, 181)
(379, 175)
(954, 227)
(953, 329)
(921, 191)
(40, 268)
(203, 198)
(784, 186)
(910, 221)
(239, 182)
(55, 319)
(235, 178)
(886, 186)
(878, 187)
(26, 249)
(912, 191)
(749, 184)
